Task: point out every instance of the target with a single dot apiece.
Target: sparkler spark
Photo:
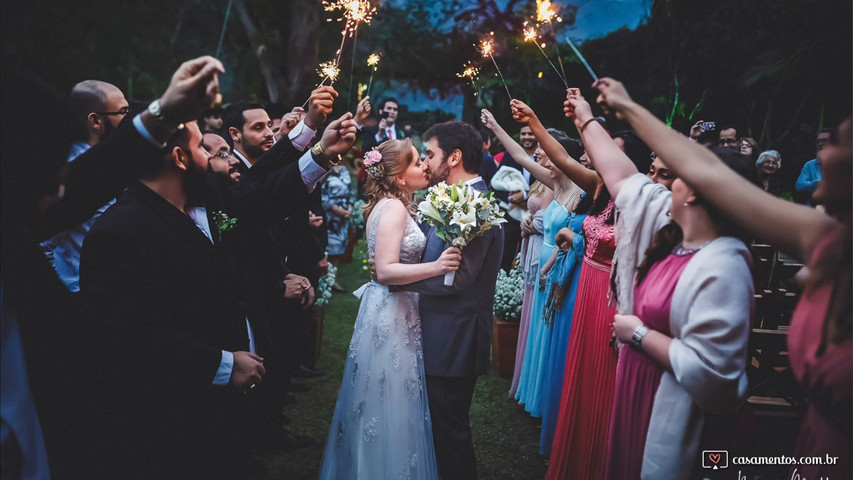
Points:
(373, 60)
(544, 12)
(470, 72)
(530, 34)
(353, 12)
(486, 48)
(328, 70)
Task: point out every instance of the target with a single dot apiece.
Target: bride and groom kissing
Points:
(418, 346)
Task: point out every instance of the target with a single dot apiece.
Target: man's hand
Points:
(288, 121)
(320, 105)
(362, 111)
(295, 286)
(614, 95)
(339, 136)
(371, 266)
(308, 298)
(193, 89)
(521, 112)
(248, 370)
(315, 221)
(696, 130)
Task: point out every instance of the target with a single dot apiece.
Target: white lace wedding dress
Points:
(381, 428)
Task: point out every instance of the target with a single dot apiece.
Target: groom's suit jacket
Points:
(456, 321)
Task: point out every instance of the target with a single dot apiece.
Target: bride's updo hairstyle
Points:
(382, 172)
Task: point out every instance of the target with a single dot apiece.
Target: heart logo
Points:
(714, 457)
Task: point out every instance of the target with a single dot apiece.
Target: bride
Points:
(381, 427)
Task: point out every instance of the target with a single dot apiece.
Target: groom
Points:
(456, 321)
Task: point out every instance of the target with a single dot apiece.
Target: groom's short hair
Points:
(460, 136)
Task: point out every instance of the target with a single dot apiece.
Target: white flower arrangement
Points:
(460, 213)
(509, 293)
(324, 287)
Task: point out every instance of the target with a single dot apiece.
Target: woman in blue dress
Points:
(555, 217)
(562, 289)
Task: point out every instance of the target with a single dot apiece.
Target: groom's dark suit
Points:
(456, 323)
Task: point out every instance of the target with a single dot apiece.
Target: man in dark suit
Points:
(456, 321)
(387, 127)
(172, 332)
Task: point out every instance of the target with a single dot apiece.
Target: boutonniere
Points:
(223, 221)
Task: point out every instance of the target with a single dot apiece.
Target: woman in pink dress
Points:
(819, 340)
(691, 311)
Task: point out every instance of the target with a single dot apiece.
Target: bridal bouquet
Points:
(459, 214)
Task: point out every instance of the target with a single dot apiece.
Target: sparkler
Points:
(372, 61)
(486, 49)
(530, 35)
(546, 14)
(327, 71)
(583, 60)
(354, 13)
(470, 72)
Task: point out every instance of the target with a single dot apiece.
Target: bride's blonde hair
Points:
(382, 176)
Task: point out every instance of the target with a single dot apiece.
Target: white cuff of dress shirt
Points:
(301, 135)
(312, 174)
(223, 374)
(140, 127)
(357, 126)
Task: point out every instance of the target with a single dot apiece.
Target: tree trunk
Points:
(287, 69)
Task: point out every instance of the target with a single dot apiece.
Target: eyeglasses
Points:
(727, 141)
(223, 155)
(123, 111)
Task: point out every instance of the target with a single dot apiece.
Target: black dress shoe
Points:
(297, 385)
(308, 372)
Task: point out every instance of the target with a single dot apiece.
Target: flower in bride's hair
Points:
(373, 164)
(372, 157)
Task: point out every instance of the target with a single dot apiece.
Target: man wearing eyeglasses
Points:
(728, 137)
(99, 108)
(222, 162)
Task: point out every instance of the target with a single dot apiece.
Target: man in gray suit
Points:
(456, 321)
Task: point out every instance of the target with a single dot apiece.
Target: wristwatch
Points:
(154, 109)
(639, 334)
(321, 158)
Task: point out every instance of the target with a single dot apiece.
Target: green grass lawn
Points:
(506, 439)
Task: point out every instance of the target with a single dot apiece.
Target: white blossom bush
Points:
(324, 287)
(509, 293)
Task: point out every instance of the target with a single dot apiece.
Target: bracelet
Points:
(583, 127)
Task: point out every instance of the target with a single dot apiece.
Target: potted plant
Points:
(509, 292)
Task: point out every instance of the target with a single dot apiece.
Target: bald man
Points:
(99, 107)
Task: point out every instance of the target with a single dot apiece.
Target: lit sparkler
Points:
(530, 35)
(486, 49)
(546, 13)
(354, 13)
(470, 72)
(372, 61)
(328, 70)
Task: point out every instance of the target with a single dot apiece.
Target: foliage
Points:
(509, 293)
(324, 287)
